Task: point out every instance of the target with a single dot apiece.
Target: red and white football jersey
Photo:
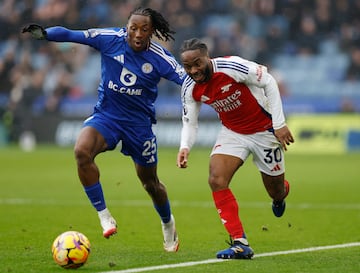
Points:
(244, 95)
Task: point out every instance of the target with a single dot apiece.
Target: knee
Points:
(82, 156)
(152, 188)
(149, 188)
(216, 183)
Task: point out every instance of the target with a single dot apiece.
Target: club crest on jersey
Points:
(147, 68)
(226, 88)
(204, 98)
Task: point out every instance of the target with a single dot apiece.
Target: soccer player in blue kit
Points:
(131, 67)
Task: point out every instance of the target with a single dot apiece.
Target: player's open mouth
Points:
(198, 77)
(138, 44)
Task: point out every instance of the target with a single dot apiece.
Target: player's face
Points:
(197, 65)
(139, 30)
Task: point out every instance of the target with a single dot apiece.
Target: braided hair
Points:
(193, 44)
(161, 26)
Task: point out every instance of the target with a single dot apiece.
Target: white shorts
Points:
(267, 152)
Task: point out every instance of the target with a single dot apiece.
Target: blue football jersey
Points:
(129, 79)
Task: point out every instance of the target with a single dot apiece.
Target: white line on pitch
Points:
(174, 203)
(210, 261)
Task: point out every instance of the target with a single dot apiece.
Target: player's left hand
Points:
(37, 31)
(284, 136)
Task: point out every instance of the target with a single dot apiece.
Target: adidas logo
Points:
(119, 58)
(276, 168)
(151, 160)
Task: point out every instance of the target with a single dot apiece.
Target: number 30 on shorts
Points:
(272, 155)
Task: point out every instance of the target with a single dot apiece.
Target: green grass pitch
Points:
(41, 197)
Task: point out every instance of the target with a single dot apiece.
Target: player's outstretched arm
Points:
(36, 31)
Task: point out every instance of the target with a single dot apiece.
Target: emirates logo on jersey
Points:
(227, 104)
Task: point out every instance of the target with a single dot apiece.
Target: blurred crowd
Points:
(35, 76)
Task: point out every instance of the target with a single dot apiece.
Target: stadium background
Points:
(311, 47)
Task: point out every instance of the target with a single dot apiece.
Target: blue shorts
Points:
(139, 142)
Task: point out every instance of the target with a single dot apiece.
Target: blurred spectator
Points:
(7, 63)
(341, 11)
(348, 33)
(51, 10)
(59, 76)
(95, 13)
(324, 21)
(307, 40)
(353, 71)
(274, 40)
(27, 89)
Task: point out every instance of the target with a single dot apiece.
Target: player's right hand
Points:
(284, 136)
(182, 158)
(36, 31)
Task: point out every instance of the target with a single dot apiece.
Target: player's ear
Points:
(152, 32)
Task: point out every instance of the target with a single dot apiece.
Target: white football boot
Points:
(171, 240)
(108, 223)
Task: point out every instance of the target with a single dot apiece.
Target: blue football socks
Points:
(164, 211)
(96, 196)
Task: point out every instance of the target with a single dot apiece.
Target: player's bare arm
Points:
(284, 135)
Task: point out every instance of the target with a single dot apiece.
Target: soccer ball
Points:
(71, 249)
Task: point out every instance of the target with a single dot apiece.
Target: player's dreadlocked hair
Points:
(193, 44)
(161, 26)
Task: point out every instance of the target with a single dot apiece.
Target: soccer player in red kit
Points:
(247, 100)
